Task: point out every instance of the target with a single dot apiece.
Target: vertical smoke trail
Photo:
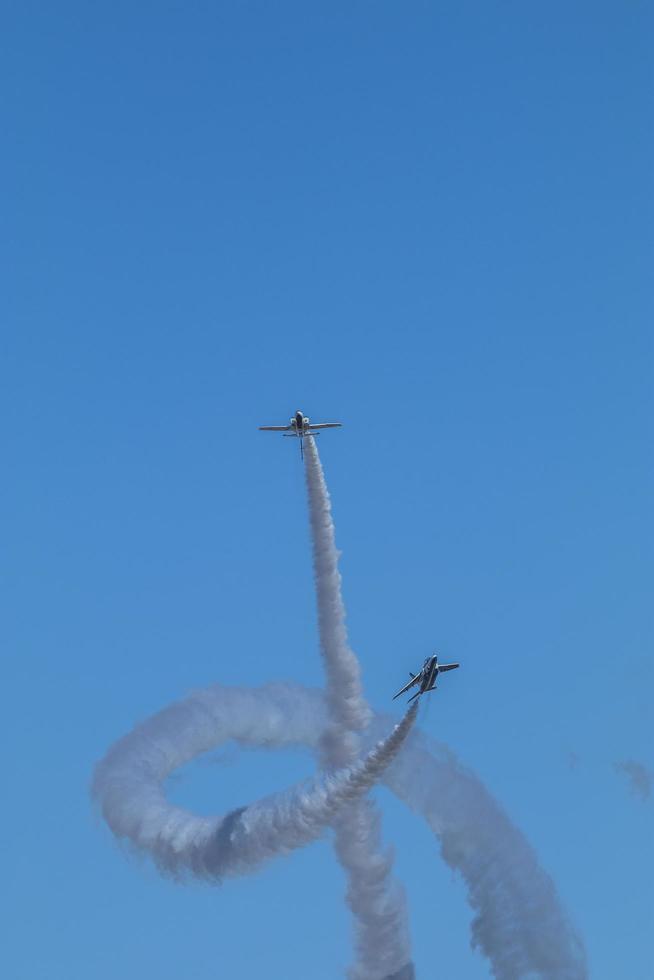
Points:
(344, 696)
(377, 901)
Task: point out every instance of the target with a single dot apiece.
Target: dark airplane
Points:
(426, 678)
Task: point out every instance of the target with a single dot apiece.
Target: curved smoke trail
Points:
(519, 923)
(376, 901)
(518, 920)
(129, 785)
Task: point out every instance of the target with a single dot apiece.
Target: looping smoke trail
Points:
(377, 902)
(518, 922)
(128, 784)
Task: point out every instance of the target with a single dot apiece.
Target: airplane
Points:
(426, 678)
(300, 426)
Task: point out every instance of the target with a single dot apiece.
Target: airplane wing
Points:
(414, 680)
(446, 667)
(274, 428)
(325, 425)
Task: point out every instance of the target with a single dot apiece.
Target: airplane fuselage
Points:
(429, 674)
(299, 424)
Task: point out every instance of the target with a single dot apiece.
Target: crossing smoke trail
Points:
(129, 781)
(518, 923)
(376, 901)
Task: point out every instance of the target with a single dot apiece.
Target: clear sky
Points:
(434, 222)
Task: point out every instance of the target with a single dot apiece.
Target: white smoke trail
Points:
(376, 900)
(344, 695)
(129, 781)
(518, 920)
(518, 924)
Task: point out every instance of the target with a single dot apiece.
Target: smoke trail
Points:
(639, 776)
(283, 822)
(128, 785)
(343, 691)
(519, 923)
(376, 901)
(518, 920)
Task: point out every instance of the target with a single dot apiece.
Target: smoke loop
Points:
(518, 922)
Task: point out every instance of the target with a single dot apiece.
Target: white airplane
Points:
(300, 426)
(426, 678)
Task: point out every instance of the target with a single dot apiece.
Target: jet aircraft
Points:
(300, 426)
(426, 678)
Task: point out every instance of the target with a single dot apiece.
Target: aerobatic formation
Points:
(518, 922)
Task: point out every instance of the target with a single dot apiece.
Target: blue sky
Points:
(434, 222)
